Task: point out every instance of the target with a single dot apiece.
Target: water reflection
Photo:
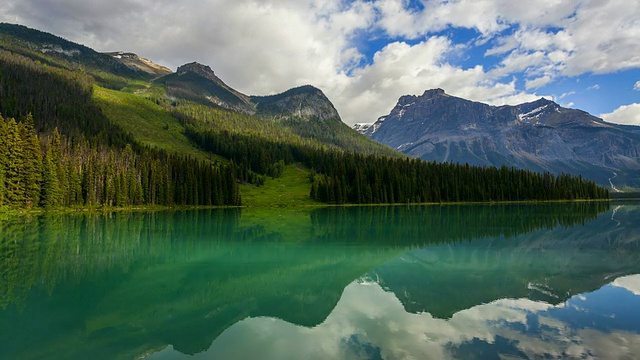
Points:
(371, 323)
(163, 284)
(553, 293)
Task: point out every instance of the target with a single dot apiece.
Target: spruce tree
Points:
(51, 191)
(15, 186)
(32, 162)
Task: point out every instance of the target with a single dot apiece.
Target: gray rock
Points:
(540, 136)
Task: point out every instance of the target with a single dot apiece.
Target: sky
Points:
(369, 322)
(365, 54)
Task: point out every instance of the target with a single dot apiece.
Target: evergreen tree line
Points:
(61, 99)
(55, 172)
(96, 163)
(355, 178)
(56, 98)
(345, 177)
(311, 131)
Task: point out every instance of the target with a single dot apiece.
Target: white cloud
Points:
(608, 36)
(538, 82)
(261, 47)
(399, 69)
(625, 115)
(368, 322)
(636, 86)
(631, 283)
(564, 95)
(594, 87)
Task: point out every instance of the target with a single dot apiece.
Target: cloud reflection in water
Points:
(370, 323)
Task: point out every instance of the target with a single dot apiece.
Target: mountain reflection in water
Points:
(358, 282)
(371, 323)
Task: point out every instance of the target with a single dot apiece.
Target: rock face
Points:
(199, 83)
(305, 102)
(31, 43)
(540, 136)
(135, 62)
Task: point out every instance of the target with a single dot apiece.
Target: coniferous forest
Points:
(96, 164)
(58, 149)
(344, 177)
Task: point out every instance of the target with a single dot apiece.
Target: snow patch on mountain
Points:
(362, 127)
(533, 114)
(404, 146)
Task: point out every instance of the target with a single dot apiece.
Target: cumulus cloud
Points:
(369, 322)
(625, 115)
(538, 82)
(262, 47)
(630, 282)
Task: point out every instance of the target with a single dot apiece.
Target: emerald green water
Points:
(486, 282)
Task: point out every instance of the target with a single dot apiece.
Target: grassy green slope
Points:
(153, 125)
(150, 124)
(291, 189)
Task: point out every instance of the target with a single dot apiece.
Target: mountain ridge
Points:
(539, 135)
(56, 51)
(135, 62)
(303, 101)
(153, 129)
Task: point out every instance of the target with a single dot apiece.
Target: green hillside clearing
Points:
(291, 189)
(149, 123)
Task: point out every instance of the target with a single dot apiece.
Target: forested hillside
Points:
(65, 142)
(94, 163)
(55, 51)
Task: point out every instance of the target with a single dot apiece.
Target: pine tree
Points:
(32, 174)
(51, 191)
(55, 145)
(15, 186)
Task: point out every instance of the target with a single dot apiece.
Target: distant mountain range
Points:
(198, 82)
(539, 136)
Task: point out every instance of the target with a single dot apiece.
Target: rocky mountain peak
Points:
(304, 101)
(197, 82)
(433, 93)
(137, 63)
(199, 69)
(539, 135)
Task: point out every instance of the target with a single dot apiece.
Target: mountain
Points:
(362, 127)
(199, 83)
(483, 270)
(303, 102)
(187, 138)
(539, 136)
(55, 51)
(137, 63)
(304, 111)
(307, 112)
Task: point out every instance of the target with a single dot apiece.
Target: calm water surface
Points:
(467, 282)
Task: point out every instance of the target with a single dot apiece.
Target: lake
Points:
(402, 282)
